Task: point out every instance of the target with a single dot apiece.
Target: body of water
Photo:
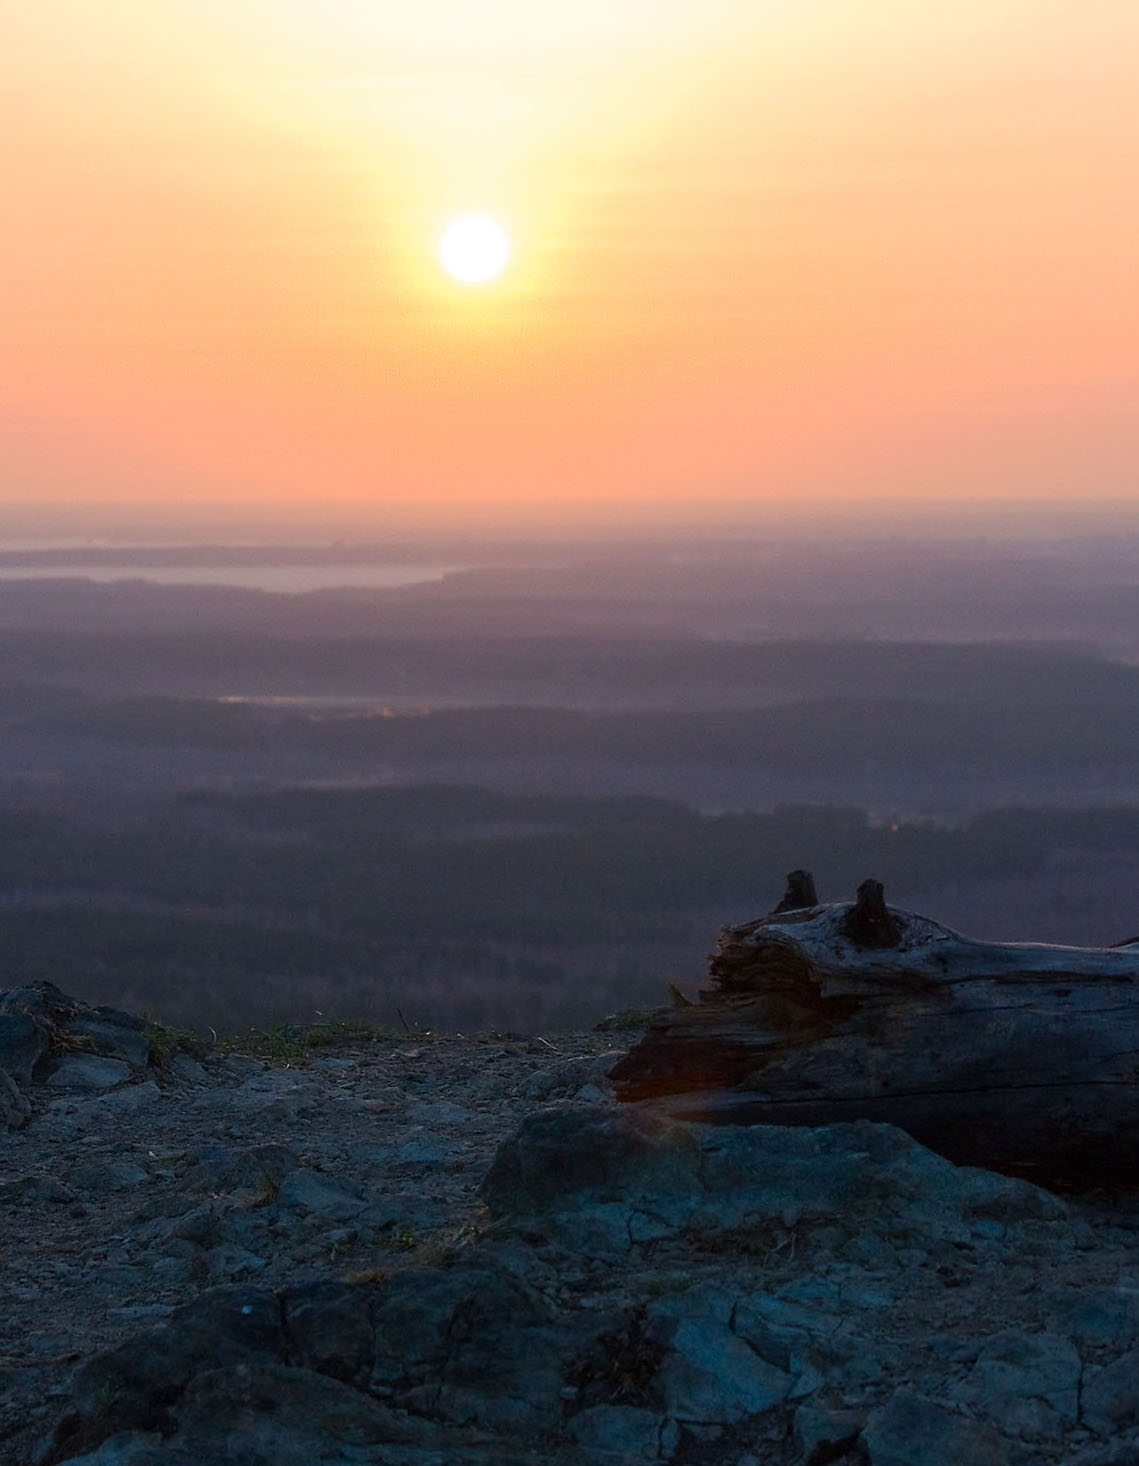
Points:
(287, 579)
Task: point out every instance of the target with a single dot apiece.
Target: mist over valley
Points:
(526, 793)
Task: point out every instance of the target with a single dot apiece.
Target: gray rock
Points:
(407, 1211)
(196, 1226)
(470, 1342)
(273, 1414)
(986, 1194)
(186, 1069)
(14, 1106)
(23, 1043)
(422, 1151)
(110, 1039)
(710, 1375)
(623, 1434)
(127, 1448)
(329, 1329)
(115, 1106)
(312, 1194)
(912, 1430)
(335, 1067)
(1094, 1316)
(1121, 1452)
(1028, 1383)
(572, 1076)
(1110, 1398)
(439, 1113)
(88, 1072)
(99, 1176)
(255, 1172)
(34, 1188)
(230, 1264)
(40, 999)
(119, 1017)
(136, 1312)
(367, 1153)
(276, 1095)
(223, 1327)
(816, 1427)
(789, 1266)
(245, 1066)
(615, 1177)
(788, 1334)
(578, 1153)
(170, 1272)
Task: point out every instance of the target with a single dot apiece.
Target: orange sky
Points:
(765, 251)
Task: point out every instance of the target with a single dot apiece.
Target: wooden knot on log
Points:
(800, 892)
(869, 922)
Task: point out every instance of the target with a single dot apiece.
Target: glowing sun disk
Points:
(474, 248)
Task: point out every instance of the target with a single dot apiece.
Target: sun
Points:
(474, 248)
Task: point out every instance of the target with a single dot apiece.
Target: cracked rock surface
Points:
(445, 1251)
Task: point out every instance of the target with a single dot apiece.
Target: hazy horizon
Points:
(44, 526)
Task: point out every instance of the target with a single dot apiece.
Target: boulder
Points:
(1027, 1383)
(711, 1376)
(313, 1194)
(913, 1430)
(88, 1072)
(1110, 1396)
(102, 1032)
(14, 1106)
(24, 1041)
(629, 1175)
(623, 1434)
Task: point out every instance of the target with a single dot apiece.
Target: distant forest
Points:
(530, 793)
(818, 735)
(460, 905)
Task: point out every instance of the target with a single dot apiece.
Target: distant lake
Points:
(286, 579)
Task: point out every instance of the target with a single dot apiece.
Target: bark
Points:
(800, 892)
(1020, 1057)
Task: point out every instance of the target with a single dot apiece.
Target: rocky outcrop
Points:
(48, 1038)
(399, 1255)
(652, 1291)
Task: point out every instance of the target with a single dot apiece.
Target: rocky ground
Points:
(442, 1251)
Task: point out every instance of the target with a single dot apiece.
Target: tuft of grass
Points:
(167, 1162)
(627, 1019)
(291, 1045)
(403, 1239)
(71, 1043)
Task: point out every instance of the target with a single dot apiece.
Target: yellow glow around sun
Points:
(474, 249)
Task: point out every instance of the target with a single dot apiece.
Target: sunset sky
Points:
(764, 252)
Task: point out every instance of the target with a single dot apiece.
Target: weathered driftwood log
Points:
(1020, 1057)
